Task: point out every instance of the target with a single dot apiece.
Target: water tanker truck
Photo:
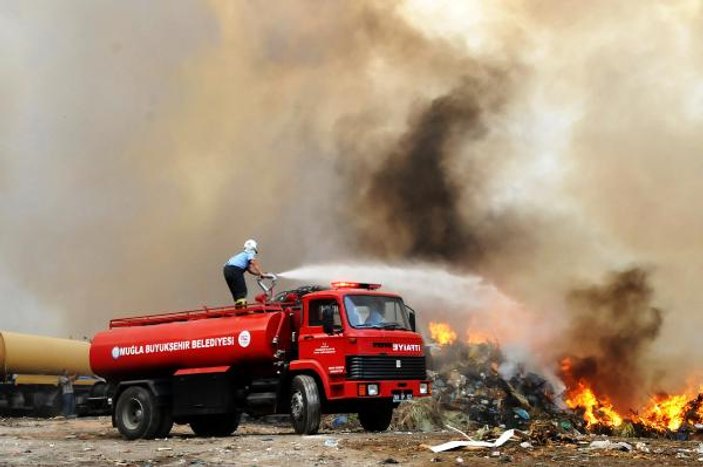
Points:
(350, 348)
(29, 369)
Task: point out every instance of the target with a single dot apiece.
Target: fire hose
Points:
(268, 289)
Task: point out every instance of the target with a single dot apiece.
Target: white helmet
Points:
(251, 245)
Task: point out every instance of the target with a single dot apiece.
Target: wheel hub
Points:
(296, 405)
(134, 414)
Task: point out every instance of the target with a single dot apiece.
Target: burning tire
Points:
(376, 417)
(136, 414)
(215, 425)
(305, 405)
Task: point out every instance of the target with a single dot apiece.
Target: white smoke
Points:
(468, 302)
(420, 283)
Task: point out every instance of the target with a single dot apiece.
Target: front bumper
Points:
(396, 390)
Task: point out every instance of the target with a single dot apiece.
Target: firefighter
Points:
(375, 317)
(234, 270)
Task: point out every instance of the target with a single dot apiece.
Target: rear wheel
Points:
(136, 413)
(215, 425)
(376, 417)
(305, 405)
(166, 423)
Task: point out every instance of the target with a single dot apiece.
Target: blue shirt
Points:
(374, 318)
(241, 259)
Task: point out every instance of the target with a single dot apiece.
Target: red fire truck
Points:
(350, 348)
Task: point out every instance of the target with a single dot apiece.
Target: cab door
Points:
(314, 343)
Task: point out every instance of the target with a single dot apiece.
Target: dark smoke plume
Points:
(419, 196)
(612, 328)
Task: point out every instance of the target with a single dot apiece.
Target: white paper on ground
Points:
(449, 445)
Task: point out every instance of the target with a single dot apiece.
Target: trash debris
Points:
(459, 431)
(642, 447)
(472, 397)
(331, 443)
(339, 420)
(623, 446)
(522, 413)
(449, 445)
(607, 444)
(600, 444)
(469, 392)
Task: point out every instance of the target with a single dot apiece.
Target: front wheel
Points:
(305, 405)
(376, 417)
(136, 413)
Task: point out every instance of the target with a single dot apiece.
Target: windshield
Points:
(374, 311)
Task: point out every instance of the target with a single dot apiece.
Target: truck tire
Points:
(215, 425)
(305, 405)
(136, 413)
(98, 389)
(376, 417)
(166, 423)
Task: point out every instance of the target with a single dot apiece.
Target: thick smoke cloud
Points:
(148, 142)
(543, 206)
(613, 326)
(80, 210)
(430, 197)
(413, 199)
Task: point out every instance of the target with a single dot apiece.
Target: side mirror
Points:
(327, 320)
(411, 317)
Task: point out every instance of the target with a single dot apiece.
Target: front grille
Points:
(385, 367)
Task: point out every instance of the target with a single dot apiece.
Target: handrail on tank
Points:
(206, 312)
(202, 313)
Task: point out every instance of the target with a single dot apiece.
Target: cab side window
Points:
(316, 308)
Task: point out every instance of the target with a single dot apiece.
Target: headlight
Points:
(372, 390)
(423, 388)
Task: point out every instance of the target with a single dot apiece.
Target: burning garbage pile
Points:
(677, 415)
(605, 370)
(470, 393)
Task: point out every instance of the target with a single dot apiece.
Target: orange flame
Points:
(665, 412)
(441, 333)
(662, 413)
(596, 412)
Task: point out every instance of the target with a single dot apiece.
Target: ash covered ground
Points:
(92, 441)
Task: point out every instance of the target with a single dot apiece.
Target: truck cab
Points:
(361, 345)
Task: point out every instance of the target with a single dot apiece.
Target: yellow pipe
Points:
(41, 355)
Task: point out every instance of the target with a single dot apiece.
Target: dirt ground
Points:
(92, 441)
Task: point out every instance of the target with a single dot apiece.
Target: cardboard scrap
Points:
(449, 445)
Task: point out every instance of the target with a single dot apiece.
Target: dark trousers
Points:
(69, 403)
(235, 281)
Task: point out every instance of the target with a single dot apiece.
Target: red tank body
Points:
(133, 349)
